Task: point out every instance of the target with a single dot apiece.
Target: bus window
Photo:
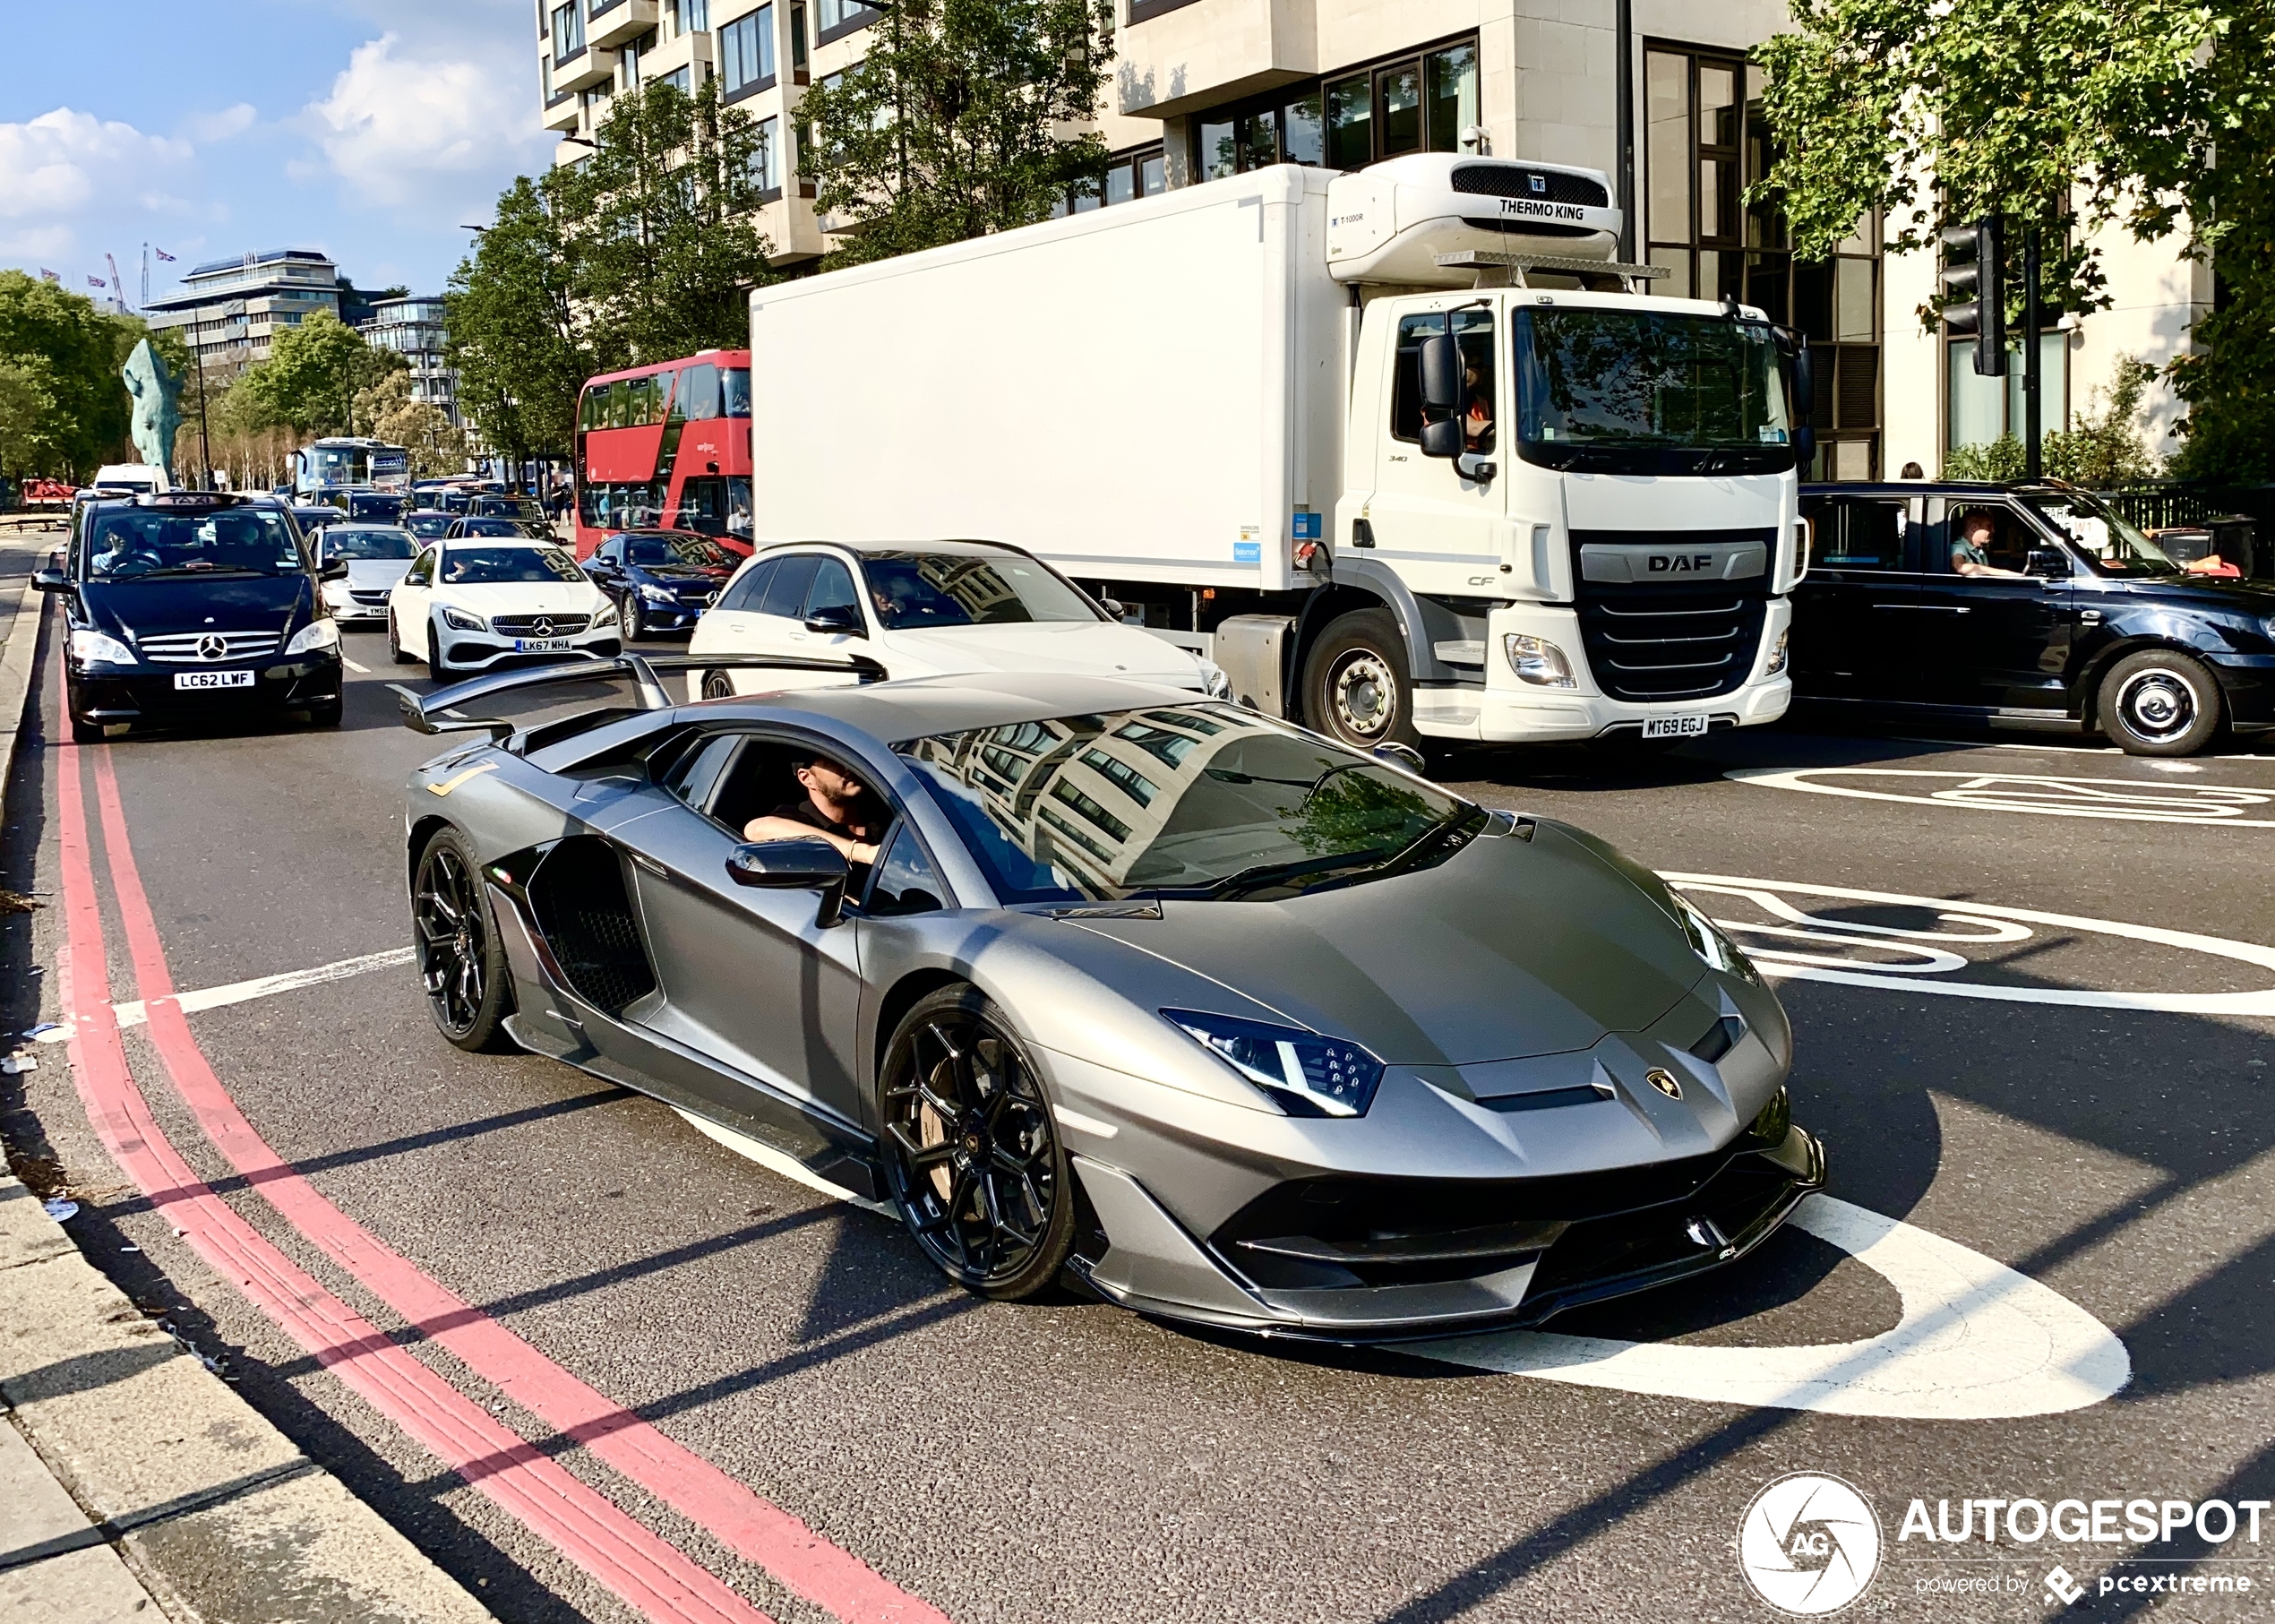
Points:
(639, 400)
(618, 397)
(585, 412)
(738, 391)
(674, 408)
(701, 383)
(738, 506)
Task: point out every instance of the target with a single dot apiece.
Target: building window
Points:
(1705, 140)
(766, 162)
(1980, 410)
(1417, 103)
(746, 52)
(1140, 173)
(694, 15)
(568, 31)
(678, 80)
(798, 42)
(838, 17)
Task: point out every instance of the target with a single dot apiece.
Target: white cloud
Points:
(393, 128)
(221, 126)
(62, 163)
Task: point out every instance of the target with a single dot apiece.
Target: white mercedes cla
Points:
(931, 608)
(469, 602)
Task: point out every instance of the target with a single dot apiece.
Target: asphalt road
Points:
(2050, 1135)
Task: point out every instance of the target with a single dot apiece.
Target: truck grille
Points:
(1660, 640)
(206, 648)
(537, 626)
(1518, 180)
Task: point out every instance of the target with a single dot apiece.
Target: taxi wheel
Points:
(2160, 702)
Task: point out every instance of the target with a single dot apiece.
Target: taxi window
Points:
(1856, 535)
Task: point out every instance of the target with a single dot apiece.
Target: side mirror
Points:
(1803, 384)
(793, 866)
(1113, 607)
(1441, 374)
(1478, 470)
(1442, 438)
(837, 620)
(1401, 755)
(333, 569)
(50, 581)
(2050, 563)
(1804, 448)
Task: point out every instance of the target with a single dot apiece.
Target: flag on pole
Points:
(96, 281)
(163, 254)
(46, 275)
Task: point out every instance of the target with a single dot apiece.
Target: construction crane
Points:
(117, 287)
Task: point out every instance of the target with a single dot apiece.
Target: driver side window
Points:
(905, 883)
(1982, 536)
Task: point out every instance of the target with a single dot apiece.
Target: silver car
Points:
(1234, 1024)
(376, 555)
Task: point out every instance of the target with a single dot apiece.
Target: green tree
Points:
(520, 338)
(954, 124)
(423, 429)
(1933, 109)
(70, 412)
(312, 374)
(28, 418)
(668, 247)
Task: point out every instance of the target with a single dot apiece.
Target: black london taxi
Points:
(189, 605)
(2024, 606)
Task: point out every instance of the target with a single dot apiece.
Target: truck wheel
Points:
(2160, 702)
(1355, 684)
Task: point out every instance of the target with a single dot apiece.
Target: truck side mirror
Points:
(1803, 384)
(1804, 449)
(1441, 377)
(1442, 438)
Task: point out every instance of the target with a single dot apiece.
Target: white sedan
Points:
(927, 608)
(468, 603)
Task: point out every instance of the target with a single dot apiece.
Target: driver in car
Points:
(1971, 552)
(839, 808)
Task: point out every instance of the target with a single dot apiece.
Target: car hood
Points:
(678, 574)
(1510, 949)
(2198, 592)
(525, 598)
(232, 603)
(370, 574)
(1084, 647)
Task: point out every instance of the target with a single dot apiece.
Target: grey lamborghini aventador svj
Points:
(1236, 1025)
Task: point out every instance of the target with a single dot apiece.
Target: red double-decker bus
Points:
(666, 445)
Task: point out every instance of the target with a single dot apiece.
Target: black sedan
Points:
(662, 580)
(2025, 606)
(519, 530)
(189, 606)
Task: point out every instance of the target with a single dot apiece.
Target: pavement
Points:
(135, 1482)
(593, 1365)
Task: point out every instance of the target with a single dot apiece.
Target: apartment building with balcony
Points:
(1206, 88)
(414, 328)
(230, 310)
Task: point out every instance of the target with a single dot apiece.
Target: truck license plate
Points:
(1674, 726)
(539, 645)
(212, 679)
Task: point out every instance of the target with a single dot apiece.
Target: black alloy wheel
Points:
(717, 685)
(1356, 687)
(2160, 702)
(395, 642)
(970, 1149)
(461, 963)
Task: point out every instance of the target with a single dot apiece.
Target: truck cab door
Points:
(1442, 531)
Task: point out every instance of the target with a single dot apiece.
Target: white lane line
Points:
(2119, 800)
(2063, 749)
(237, 991)
(1976, 1341)
(1997, 924)
(352, 666)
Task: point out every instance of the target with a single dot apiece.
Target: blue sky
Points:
(369, 129)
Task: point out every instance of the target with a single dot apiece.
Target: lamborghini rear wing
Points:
(442, 711)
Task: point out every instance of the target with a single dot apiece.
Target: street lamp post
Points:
(2033, 464)
(197, 360)
(1624, 111)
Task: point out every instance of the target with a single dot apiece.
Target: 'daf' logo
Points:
(1808, 1544)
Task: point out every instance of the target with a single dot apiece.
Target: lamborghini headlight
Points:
(1306, 1074)
(1707, 941)
(1774, 1121)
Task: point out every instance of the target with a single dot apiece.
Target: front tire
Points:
(2160, 702)
(635, 618)
(717, 685)
(462, 962)
(971, 1152)
(395, 642)
(1355, 682)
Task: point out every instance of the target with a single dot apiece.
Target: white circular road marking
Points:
(2123, 800)
(1923, 960)
(1976, 1341)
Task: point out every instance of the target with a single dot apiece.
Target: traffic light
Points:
(1975, 291)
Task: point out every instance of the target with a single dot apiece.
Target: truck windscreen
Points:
(1649, 393)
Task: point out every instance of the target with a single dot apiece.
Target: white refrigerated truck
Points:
(1405, 450)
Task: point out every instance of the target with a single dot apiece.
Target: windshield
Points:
(736, 386)
(372, 505)
(510, 507)
(690, 551)
(507, 527)
(1647, 392)
(492, 566)
(2109, 543)
(128, 543)
(427, 525)
(913, 591)
(1202, 801)
(358, 541)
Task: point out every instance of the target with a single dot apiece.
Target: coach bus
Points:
(666, 445)
(321, 464)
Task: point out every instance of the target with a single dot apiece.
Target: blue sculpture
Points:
(157, 412)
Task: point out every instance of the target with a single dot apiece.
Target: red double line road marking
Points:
(760, 1531)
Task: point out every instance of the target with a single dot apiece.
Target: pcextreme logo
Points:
(1808, 1544)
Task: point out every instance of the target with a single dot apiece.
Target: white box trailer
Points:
(1193, 403)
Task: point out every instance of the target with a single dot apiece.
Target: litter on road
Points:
(59, 1209)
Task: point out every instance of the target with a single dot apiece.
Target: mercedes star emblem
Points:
(212, 647)
(542, 625)
(1662, 1080)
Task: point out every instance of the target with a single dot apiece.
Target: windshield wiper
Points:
(197, 569)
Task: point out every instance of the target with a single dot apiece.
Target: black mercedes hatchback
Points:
(187, 606)
(2026, 607)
